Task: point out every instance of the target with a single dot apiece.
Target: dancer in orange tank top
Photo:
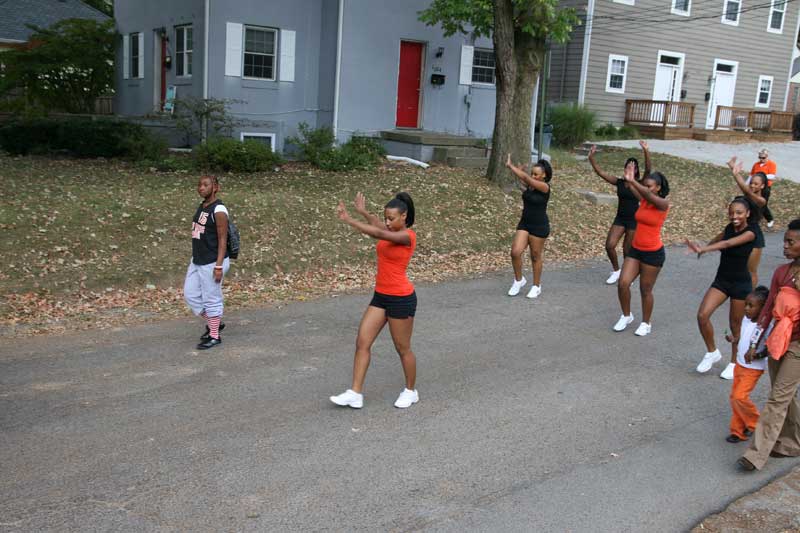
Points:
(394, 301)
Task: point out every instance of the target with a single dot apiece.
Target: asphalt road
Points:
(533, 415)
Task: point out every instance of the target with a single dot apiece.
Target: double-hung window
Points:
(483, 66)
(259, 53)
(134, 55)
(681, 7)
(730, 12)
(617, 73)
(763, 96)
(776, 16)
(183, 51)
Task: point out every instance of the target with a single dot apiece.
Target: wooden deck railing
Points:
(740, 118)
(659, 113)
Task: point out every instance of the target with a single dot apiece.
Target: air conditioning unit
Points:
(740, 122)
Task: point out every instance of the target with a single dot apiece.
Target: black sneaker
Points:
(210, 343)
(207, 335)
(733, 439)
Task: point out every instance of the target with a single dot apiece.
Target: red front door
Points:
(408, 84)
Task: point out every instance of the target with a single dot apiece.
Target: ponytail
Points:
(544, 164)
(403, 203)
(755, 211)
(661, 179)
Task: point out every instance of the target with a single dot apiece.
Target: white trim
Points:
(234, 49)
(735, 73)
(681, 65)
(465, 68)
(725, 10)
(11, 41)
(287, 55)
(772, 9)
(205, 50)
(338, 77)
(275, 52)
(483, 83)
(795, 53)
(758, 91)
(126, 56)
(183, 27)
(141, 55)
(271, 137)
(611, 59)
(679, 12)
(587, 40)
(625, 2)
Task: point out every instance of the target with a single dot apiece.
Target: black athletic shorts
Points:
(759, 241)
(541, 231)
(396, 306)
(625, 222)
(655, 258)
(733, 289)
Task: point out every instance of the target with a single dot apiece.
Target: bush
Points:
(80, 137)
(609, 131)
(311, 144)
(628, 132)
(230, 155)
(572, 124)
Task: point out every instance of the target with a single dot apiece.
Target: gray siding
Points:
(757, 51)
(565, 61)
(142, 96)
(370, 61)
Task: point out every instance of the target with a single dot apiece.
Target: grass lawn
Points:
(104, 242)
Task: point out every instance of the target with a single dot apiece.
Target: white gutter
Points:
(791, 64)
(205, 50)
(587, 41)
(12, 41)
(337, 82)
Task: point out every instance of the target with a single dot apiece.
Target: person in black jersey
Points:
(754, 192)
(625, 221)
(534, 226)
(202, 289)
(732, 281)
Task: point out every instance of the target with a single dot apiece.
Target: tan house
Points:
(679, 66)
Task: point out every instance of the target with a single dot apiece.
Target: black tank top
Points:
(204, 235)
(733, 261)
(627, 204)
(534, 207)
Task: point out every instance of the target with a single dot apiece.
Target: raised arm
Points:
(397, 237)
(643, 193)
(360, 205)
(608, 177)
(719, 243)
(736, 169)
(646, 151)
(525, 178)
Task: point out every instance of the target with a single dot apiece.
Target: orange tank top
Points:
(649, 221)
(393, 260)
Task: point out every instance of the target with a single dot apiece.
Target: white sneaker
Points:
(349, 398)
(770, 223)
(643, 329)
(614, 277)
(407, 398)
(728, 372)
(517, 286)
(708, 361)
(623, 322)
(535, 291)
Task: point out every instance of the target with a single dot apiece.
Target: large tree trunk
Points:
(518, 59)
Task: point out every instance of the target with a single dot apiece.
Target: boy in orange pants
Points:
(746, 373)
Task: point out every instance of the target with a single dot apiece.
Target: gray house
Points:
(358, 66)
(703, 57)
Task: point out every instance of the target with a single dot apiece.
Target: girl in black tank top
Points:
(732, 281)
(754, 192)
(624, 224)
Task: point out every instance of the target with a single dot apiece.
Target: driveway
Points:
(533, 416)
(786, 155)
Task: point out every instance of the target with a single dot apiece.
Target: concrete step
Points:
(430, 138)
(597, 198)
(468, 162)
(441, 153)
(584, 148)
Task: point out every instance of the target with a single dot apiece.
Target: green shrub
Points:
(81, 137)
(230, 155)
(628, 132)
(572, 124)
(312, 143)
(609, 131)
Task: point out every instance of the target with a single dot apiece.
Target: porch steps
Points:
(443, 148)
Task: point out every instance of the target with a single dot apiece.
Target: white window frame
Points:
(275, 52)
(187, 52)
(494, 70)
(134, 59)
(676, 11)
(245, 134)
(772, 10)
(771, 80)
(611, 59)
(738, 13)
(626, 2)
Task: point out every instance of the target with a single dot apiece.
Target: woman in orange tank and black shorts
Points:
(646, 256)
(394, 301)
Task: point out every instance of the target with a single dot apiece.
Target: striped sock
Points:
(213, 326)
